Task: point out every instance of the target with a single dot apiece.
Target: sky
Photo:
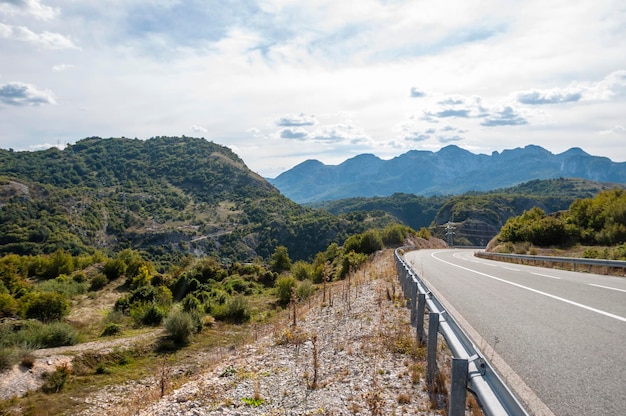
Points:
(283, 81)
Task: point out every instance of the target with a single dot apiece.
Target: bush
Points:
(191, 303)
(55, 381)
(179, 326)
(98, 282)
(148, 314)
(301, 270)
(8, 357)
(305, 290)
(37, 335)
(283, 288)
(58, 334)
(8, 305)
(114, 268)
(236, 309)
(45, 306)
(111, 329)
(65, 286)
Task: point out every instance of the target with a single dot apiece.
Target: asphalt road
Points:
(563, 333)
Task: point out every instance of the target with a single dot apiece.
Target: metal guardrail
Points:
(494, 396)
(617, 264)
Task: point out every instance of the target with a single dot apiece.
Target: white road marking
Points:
(539, 292)
(607, 287)
(546, 275)
(510, 268)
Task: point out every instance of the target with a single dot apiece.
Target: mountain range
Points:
(449, 171)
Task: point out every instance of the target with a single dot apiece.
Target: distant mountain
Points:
(451, 170)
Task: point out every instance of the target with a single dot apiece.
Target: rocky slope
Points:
(350, 352)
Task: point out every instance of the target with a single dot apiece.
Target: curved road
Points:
(563, 333)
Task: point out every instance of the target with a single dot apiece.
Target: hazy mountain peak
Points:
(451, 170)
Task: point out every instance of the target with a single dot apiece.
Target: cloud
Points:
(32, 7)
(416, 136)
(507, 116)
(63, 67)
(44, 146)
(610, 86)
(296, 133)
(198, 129)
(340, 133)
(19, 94)
(552, 96)
(295, 120)
(454, 100)
(450, 112)
(450, 139)
(46, 40)
(411, 131)
(615, 131)
(416, 93)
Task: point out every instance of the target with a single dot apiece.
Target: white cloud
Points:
(19, 94)
(615, 131)
(46, 39)
(32, 7)
(63, 67)
(275, 79)
(199, 129)
(301, 119)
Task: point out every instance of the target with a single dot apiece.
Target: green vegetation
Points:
(598, 221)
(167, 197)
(477, 216)
(182, 299)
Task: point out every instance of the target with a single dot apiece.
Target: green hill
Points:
(476, 216)
(167, 196)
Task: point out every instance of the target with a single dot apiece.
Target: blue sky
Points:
(282, 81)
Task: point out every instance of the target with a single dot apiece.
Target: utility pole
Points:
(450, 233)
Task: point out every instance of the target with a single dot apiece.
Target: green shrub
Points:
(65, 286)
(98, 282)
(179, 326)
(191, 303)
(236, 309)
(148, 314)
(38, 335)
(305, 290)
(55, 381)
(283, 288)
(58, 334)
(114, 268)
(301, 270)
(8, 357)
(8, 305)
(79, 277)
(111, 328)
(45, 306)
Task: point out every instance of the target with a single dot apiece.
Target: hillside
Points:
(449, 171)
(476, 216)
(599, 221)
(168, 196)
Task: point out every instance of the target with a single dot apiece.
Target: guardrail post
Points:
(413, 299)
(431, 349)
(458, 387)
(419, 320)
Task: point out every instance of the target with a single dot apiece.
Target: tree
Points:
(280, 261)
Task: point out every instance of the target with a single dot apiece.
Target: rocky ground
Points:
(351, 352)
